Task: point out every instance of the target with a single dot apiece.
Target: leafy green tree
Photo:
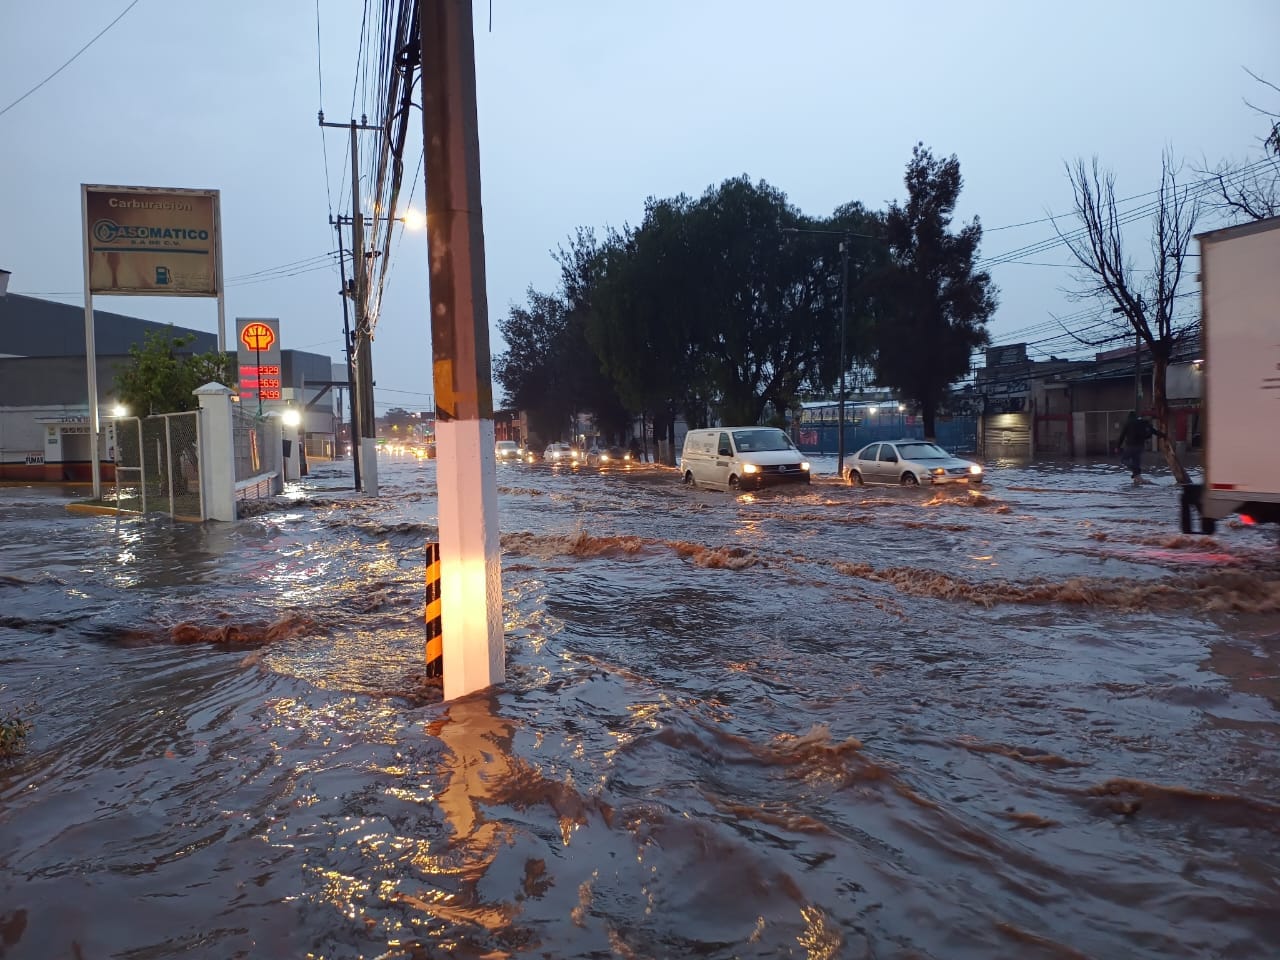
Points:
(769, 306)
(583, 372)
(643, 321)
(935, 302)
(161, 376)
(398, 423)
(869, 258)
(529, 369)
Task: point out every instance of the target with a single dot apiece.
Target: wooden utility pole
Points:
(348, 346)
(470, 554)
(361, 353)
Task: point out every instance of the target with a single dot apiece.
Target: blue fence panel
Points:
(957, 434)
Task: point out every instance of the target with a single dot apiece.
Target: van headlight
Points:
(750, 468)
(975, 469)
(804, 465)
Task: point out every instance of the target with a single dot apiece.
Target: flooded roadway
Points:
(1026, 722)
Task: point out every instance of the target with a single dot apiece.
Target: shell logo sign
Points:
(257, 337)
(258, 353)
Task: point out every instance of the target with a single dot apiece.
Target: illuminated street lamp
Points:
(414, 219)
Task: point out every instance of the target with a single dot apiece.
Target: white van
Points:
(741, 458)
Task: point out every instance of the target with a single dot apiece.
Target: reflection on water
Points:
(1029, 720)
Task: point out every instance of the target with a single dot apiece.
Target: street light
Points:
(846, 236)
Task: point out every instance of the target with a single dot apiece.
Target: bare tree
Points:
(1145, 299)
(1252, 192)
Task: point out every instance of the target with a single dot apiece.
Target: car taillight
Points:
(1247, 520)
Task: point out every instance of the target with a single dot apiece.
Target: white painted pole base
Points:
(217, 452)
(369, 466)
(292, 464)
(470, 557)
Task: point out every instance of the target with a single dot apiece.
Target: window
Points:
(922, 451)
(868, 452)
(887, 454)
(766, 438)
(724, 451)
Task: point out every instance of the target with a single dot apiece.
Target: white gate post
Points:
(217, 452)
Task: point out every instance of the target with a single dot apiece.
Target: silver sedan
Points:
(910, 463)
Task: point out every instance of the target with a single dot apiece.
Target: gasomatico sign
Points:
(147, 240)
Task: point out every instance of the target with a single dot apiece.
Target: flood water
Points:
(823, 722)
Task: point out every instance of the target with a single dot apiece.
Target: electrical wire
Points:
(74, 56)
(324, 146)
(1195, 190)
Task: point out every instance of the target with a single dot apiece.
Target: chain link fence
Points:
(254, 455)
(158, 465)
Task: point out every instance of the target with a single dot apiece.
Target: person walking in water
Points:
(1133, 438)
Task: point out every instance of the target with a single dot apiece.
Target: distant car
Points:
(910, 463)
(506, 450)
(559, 453)
(606, 456)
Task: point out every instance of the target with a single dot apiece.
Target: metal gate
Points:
(157, 465)
(1006, 435)
(1101, 430)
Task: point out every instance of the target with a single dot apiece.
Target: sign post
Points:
(258, 356)
(145, 241)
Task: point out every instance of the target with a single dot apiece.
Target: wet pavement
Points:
(1029, 720)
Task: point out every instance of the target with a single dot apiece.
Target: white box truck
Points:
(1240, 310)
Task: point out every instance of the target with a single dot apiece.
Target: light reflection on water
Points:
(1028, 720)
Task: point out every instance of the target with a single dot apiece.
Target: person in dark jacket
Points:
(1133, 438)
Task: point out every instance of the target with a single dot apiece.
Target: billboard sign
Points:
(1006, 355)
(148, 240)
(258, 355)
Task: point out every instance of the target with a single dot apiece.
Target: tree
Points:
(530, 369)
(1252, 192)
(398, 422)
(161, 376)
(768, 301)
(644, 321)
(935, 302)
(583, 370)
(1145, 300)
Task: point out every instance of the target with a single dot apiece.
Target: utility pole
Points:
(1137, 372)
(346, 346)
(844, 322)
(470, 554)
(362, 352)
(846, 238)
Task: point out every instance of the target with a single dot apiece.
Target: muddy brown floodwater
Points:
(1030, 721)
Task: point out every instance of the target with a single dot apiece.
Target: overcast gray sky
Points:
(587, 107)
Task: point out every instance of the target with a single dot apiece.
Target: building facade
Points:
(45, 433)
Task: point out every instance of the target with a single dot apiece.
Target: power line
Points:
(284, 270)
(1050, 218)
(1195, 190)
(95, 39)
(324, 146)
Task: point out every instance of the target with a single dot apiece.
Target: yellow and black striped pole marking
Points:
(435, 638)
